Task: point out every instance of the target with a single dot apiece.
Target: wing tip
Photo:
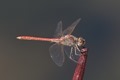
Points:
(79, 19)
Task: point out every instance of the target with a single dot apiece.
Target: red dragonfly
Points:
(63, 42)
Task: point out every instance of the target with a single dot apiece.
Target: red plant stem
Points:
(80, 69)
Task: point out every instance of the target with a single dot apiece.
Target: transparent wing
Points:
(57, 54)
(73, 53)
(58, 32)
(70, 29)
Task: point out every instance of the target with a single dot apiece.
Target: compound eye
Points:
(81, 42)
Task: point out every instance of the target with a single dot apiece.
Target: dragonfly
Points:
(64, 43)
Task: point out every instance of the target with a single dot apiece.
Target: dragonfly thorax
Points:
(68, 40)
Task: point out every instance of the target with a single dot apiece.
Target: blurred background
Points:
(30, 60)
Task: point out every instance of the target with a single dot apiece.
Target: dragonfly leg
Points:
(71, 52)
(75, 51)
(71, 56)
(76, 48)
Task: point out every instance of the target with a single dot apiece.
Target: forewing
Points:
(70, 29)
(72, 53)
(58, 32)
(57, 54)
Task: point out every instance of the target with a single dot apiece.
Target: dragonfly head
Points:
(80, 41)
